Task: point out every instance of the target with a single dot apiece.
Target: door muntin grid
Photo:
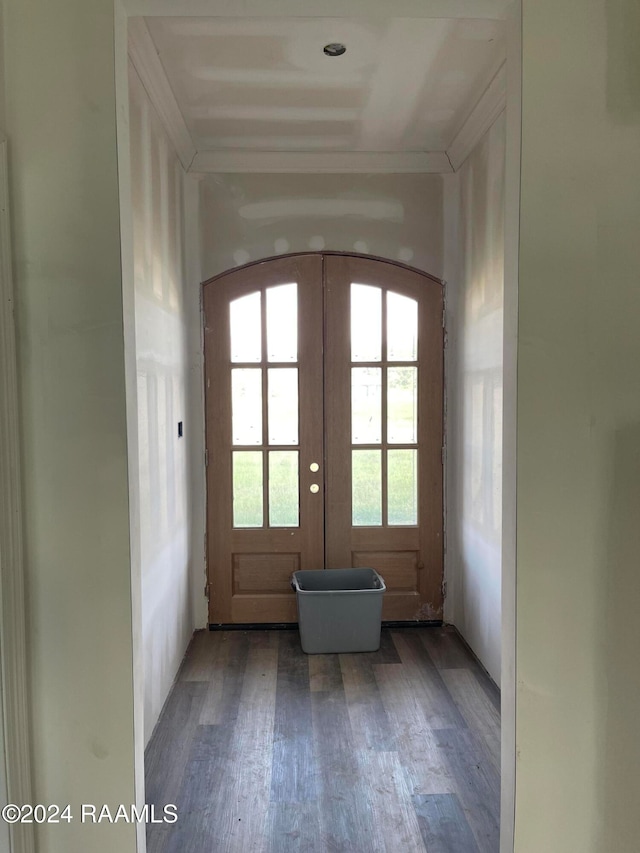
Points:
(384, 407)
(265, 418)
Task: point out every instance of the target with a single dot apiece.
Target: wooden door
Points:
(359, 483)
(263, 387)
(383, 416)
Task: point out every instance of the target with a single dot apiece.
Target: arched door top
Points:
(325, 254)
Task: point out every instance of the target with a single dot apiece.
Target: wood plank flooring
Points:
(264, 749)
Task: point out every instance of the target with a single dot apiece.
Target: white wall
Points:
(475, 298)
(162, 387)
(60, 120)
(4, 829)
(247, 217)
(578, 632)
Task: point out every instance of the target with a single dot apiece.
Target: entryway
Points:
(324, 421)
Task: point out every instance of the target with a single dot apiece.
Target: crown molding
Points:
(327, 162)
(144, 56)
(13, 631)
(487, 109)
(492, 9)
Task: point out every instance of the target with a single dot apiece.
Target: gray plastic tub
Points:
(339, 610)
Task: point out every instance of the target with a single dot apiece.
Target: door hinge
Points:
(444, 589)
(207, 591)
(206, 458)
(443, 453)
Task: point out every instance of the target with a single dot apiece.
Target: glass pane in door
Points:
(283, 405)
(402, 497)
(402, 405)
(283, 488)
(366, 323)
(366, 405)
(402, 328)
(246, 405)
(366, 488)
(247, 488)
(246, 328)
(282, 323)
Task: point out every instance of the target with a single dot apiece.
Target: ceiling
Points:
(248, 89)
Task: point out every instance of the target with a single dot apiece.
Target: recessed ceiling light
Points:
(334, 49)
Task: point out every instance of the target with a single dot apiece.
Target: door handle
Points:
(314, 488)
(314, 467)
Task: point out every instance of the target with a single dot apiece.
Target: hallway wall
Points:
(247, 217)
(162, 458)
(474, 270)
(4, 827)
(61, 125)
(578, 492)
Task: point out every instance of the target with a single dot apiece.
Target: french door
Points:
(324, 388)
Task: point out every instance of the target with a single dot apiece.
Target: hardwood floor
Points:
(264, 749)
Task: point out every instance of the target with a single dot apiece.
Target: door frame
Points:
(321, 254)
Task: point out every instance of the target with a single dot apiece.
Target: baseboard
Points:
(254, 626)
(293, 626)
(471, 652)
